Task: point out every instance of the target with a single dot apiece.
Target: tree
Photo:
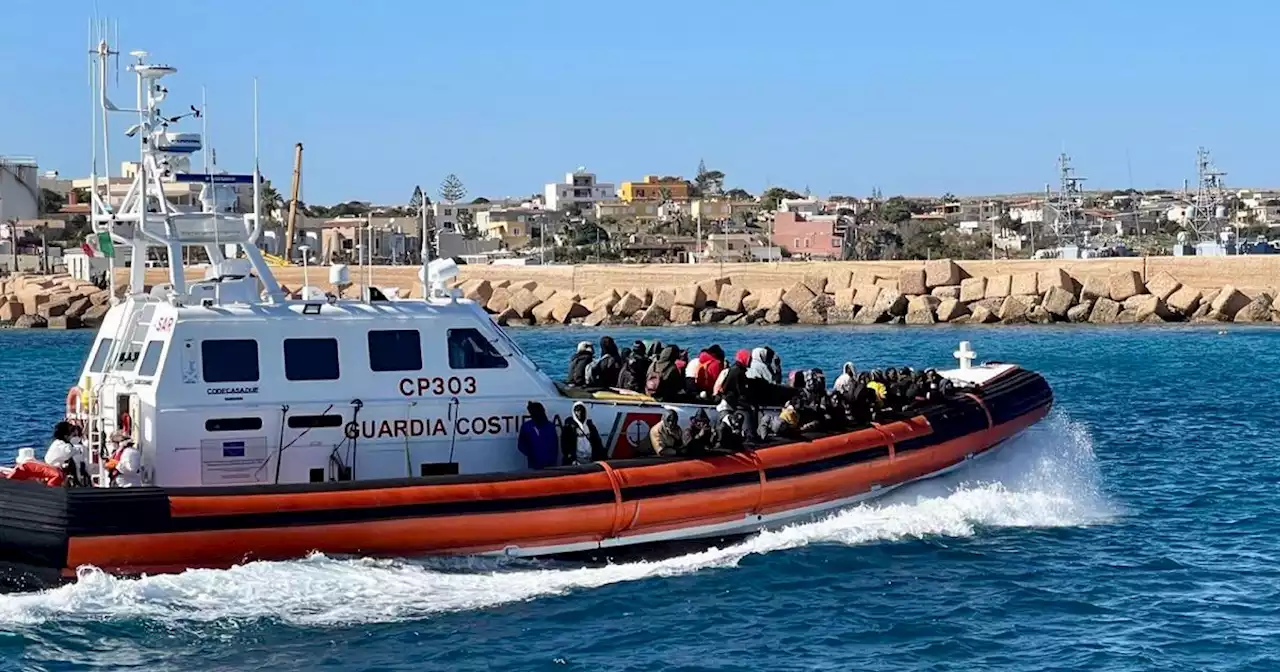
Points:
(708, 182)
(51, 201)
(897, 210)
(417, 200)
(452, 190)
(770, 199)
(739, 194)
(272, 201)
(467, 223)
(948, 197)
(479, 200)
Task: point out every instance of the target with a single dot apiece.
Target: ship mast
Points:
(146, 219)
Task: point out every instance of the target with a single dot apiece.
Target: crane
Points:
(293, 203)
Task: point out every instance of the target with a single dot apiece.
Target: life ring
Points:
(73, 400)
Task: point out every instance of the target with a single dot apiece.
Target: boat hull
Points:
(594, 510)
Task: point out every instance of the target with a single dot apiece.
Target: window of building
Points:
(311, 358)
(448, 211)
(233, 360)
(314, 421)
(515, 231)
(469, 349)
(835, 242)
(232, 424)
(100, 356)
(395, 350)
(796, 243)
(151, 358)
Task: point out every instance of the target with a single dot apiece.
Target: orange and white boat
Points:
(270, 428)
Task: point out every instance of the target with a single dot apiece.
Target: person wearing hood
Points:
(579, 440)
(760, 382)
(845, 382)
(665, 438)
(578, 365)
(699, 437)
(774, 362)
(710, 366)
(604, 372)
(537, 439)
(665, 382)
(634, 369)
(729, 434)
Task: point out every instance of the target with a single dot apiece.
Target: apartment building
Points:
(652, 187)
(580, 189)
(512, 226)
(812, 236)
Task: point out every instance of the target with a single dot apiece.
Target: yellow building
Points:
(651, 187)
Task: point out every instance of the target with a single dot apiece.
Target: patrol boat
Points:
(271, 428)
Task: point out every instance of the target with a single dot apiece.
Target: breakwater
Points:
(1114, 290)
(1107, 292)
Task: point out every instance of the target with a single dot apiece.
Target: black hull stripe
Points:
(682, 487)
(826, 464)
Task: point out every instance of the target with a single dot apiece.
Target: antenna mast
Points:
(1069, 201)
(1208, 213)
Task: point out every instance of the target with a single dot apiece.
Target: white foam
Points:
(1046, 478)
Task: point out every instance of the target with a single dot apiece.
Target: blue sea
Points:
(1137, 528)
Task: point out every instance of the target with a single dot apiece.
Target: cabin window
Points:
(232, 424)
(100, 357)
(151, 358)
(313, 421)
(469, 349)
(233, 360)
(395, 350)
(311, 358)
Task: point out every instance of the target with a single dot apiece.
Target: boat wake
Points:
(1046, 477)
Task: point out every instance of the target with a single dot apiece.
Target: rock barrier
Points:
(51, 301)
(939, 293)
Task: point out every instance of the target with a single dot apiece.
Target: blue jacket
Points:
(539, 444)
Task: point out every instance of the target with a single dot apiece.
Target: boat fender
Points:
(38, 471)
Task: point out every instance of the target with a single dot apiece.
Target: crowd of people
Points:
(66, 460)
(744, 391)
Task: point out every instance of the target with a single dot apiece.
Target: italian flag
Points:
(99, 245)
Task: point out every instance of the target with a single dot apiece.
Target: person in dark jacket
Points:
(604, 371)
(537, 439)
(728, 434)
(579, 440)
(634, 369)
(664, 382)
(699, 437)
(578, 365)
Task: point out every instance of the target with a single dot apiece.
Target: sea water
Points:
(1136, 528)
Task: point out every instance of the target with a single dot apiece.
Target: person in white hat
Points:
(125, 465)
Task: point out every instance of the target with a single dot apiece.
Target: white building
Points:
(446, 214)
(1031, 212)
(579, 188)
(806, 206)
(19, 188)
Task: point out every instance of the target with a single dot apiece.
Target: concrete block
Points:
(797, 296)
(1163, 285)
(816, 283)
(629, 304)
(1012, 309)
(1125, 284)
(946, 292)
(524, 302)
(866, 295)
(711, 288)
(999, 286)
(1080, 312)
(478, 291)
(1229, 301)
(1057, 301)
(499, 301)
(911, 281)
(845, 298)
(815, 312)
(891, 302)
(1057, 278)
(1257, 310)
(731, 298)
(949, 310)
(1095, 287)
(780, 313)
(683, 314)
(1024, 284)
(973, 289)
(980, 314)
(1105, 311)
(1184, 300)
(838, 279)
(653, 316)
(693, 297)
(664, 299)
(942, 272)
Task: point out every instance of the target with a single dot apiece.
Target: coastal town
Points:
(663, 218)
(513, 249)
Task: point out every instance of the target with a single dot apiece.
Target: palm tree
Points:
(272, 201)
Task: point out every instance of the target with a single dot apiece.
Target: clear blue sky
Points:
(842, 96)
